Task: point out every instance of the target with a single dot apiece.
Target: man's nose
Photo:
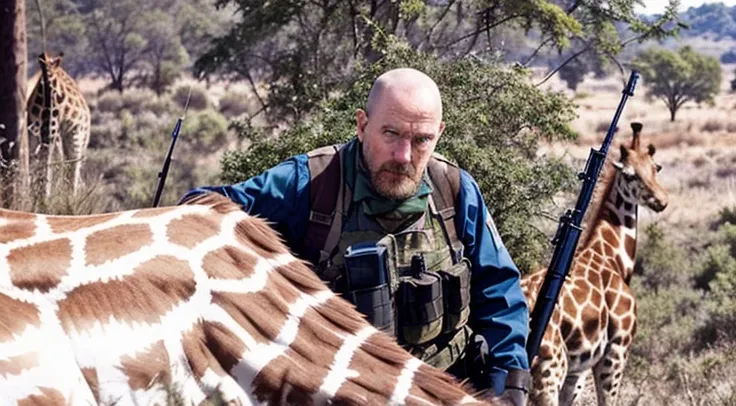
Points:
(402, 152)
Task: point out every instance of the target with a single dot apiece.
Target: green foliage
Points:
(306, 50)
(679, 77)
(660, 264)
(495, 120)
(206, 130)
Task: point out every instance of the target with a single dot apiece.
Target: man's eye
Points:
(422, 140)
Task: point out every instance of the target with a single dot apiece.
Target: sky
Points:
(657, 6)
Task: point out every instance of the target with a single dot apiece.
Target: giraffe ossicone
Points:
(594, 322)
(200, 299)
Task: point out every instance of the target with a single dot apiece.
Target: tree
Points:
(679, 77)
(13, 136)
(304, 50)
(496, 120)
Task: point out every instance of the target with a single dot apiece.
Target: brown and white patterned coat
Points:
(200, 299)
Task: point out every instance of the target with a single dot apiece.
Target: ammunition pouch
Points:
(456, 295)
(421, 307)
(368, 284)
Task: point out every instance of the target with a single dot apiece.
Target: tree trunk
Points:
(673, 110)
(13, 71)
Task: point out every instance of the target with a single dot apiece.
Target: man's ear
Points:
(361, 121)
(442, 128)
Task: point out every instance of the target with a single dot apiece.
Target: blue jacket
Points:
(498, 309)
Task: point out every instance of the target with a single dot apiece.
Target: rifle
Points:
(165, 170)
(568, 233)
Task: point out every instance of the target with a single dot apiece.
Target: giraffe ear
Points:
(651, 150)
(636, 129)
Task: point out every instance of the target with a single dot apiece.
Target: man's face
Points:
(398, 140)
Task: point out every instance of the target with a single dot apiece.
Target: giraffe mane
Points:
(600, 192)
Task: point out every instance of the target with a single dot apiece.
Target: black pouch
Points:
(368, 284)
(421, 307)
(456, 295)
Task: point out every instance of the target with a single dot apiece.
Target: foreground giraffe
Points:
(594, 322)
(56, 102)
(203, 299)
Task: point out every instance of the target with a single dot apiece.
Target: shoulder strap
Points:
(326, 191)
(445, 177)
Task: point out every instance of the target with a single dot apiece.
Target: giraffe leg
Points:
(609, 371)
(573, 387)
(548, 375)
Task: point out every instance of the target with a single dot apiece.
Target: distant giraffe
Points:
(200, 299)
(594, 322)
(58, 123)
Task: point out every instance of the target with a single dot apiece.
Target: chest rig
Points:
(413, 284)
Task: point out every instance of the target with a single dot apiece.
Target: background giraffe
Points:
(58, 123)
(595, 320)
(200, 298)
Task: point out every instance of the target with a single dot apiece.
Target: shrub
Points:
(198, 101)
(234, 104)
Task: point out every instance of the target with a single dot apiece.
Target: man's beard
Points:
(388, 184)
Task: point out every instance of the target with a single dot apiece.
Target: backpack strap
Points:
(445, 177)
(327, 191)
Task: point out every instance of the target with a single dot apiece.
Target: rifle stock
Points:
(568, 233)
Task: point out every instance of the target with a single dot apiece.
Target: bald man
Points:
(405, 235)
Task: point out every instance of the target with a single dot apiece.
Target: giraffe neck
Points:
(617, 226)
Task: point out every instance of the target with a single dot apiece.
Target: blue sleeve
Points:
(498, 308)
(279, 195)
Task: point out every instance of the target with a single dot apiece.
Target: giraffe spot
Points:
(609, 251)
(65, 224)
(90, 376)
(619, 200)
(617, 376)
(629, 222)
(151, 212)
(39, 100)
(48, 396)
(626, 322)
(607, 362)
(196, 346)
(147, 368)
(154, 288)
(282, 382)
(224, 346)
(609, 236)
(575, 340)
(585, 357)
(591, 326)
(75, 115)
(625, 304)
(15, 364)
(229, 263)
(35, 110)
(66, 110)
(191, 229)
(16, 230)
(258, 236)
(40, 266)
(113, 243)
(46, 115)
(546, 373)
(55, 113)
(607, 386)
(626, 340)
(630, 246)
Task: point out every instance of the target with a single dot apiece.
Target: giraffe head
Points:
(49, 61)
(639, 173)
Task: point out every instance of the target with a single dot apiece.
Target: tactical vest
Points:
(414, 284)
